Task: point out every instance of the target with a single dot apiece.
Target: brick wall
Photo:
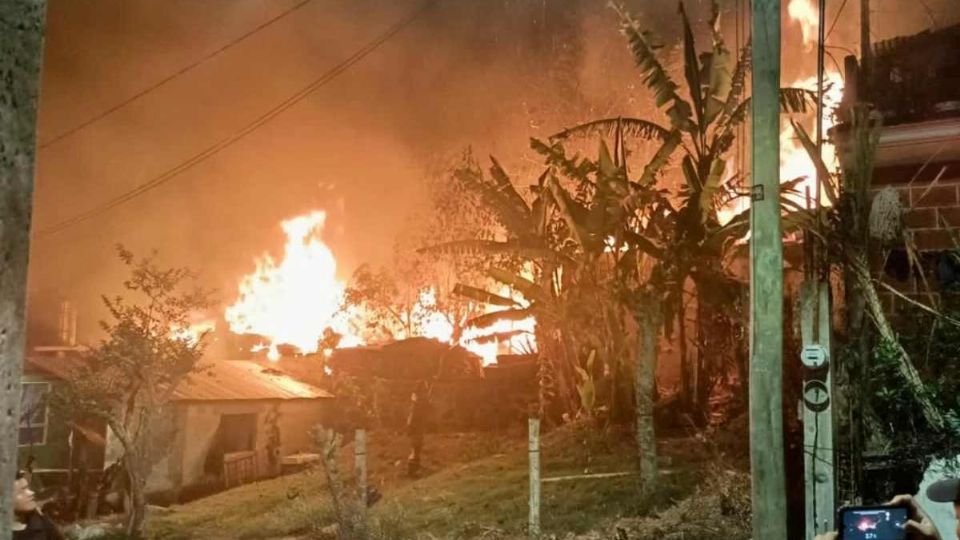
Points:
(932, 209)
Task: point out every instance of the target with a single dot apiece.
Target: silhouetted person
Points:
(417, 425)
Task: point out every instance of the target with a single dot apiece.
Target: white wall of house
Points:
(197, 424)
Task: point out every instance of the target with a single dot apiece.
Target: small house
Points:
(54, 446)
(232, 422)
(229, 423)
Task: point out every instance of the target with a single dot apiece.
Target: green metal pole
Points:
(766, 282)
(21, 40)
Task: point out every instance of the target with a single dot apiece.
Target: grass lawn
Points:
(475, 486)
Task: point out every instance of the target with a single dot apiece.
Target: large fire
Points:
(795, 162)
(294, 302)
(299, 300)
(804, 13)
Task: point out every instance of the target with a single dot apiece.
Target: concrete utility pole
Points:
(21, 53)
(766, 281)
(817, 408)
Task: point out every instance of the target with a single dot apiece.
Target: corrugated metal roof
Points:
(60, 367)
(220, 380)
(225, 380)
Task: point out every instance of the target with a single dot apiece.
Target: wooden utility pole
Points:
(21, 53)
(766, 281)
(360, 466)
(866, 51)
(533, 521)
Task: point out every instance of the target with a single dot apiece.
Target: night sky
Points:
(483, 73)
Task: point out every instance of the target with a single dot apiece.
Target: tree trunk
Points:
(685, 375)
(137, 510)
(21, 53)
(911, 376)
(645, 375)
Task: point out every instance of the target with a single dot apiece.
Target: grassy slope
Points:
(477, 485)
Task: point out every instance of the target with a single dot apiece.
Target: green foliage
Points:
(129, 377)
(586, 386)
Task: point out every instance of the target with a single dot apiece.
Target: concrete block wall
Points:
(931, 198)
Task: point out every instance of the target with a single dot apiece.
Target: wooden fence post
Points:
(534, 453)
(360, 466)
(21, 53)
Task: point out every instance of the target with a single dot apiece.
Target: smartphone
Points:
(872, 523)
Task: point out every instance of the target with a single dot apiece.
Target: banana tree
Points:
(702, 125)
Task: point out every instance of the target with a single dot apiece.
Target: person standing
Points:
(417, 425)
(29, 523)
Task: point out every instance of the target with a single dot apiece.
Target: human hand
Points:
(919, 526)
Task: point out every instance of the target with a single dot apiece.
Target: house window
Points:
(33, 413)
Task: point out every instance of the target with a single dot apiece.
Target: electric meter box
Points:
(814, 356)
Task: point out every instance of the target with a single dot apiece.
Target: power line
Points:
(243, 132)
(96, 118)
(836, 18)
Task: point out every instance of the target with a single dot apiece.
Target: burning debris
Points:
(299, 302)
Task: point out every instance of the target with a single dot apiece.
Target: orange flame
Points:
(295, 301)
(807, 16)
(795, 162)
(431, 323)
(194, 331)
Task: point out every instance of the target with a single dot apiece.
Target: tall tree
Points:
(22, 25)
(130, 376)
(702, 115)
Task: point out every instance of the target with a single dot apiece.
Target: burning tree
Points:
(129, 377)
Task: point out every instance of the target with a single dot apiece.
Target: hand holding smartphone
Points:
(873, 522)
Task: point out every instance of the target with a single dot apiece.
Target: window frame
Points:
(46, 415)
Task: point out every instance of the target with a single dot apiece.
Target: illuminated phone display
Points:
(875, 523)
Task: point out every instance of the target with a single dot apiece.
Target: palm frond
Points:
(483, 296)
(508, 194)
(568, 212)
(576, 168)
(737, 84)
(691, 69)
(497, 337)
(655, 76)
(710, 188)
(527, 288)
(489, 319)
(660, 158)
(720, 75)
(628, 127)
(493, 247)
(515, 218)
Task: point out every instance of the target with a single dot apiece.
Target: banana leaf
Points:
(483, 296)
(527, 288)
(628, 127)
(691, 70)
(655, 76)
(489, 319)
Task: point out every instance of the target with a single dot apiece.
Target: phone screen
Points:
(880, 523)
